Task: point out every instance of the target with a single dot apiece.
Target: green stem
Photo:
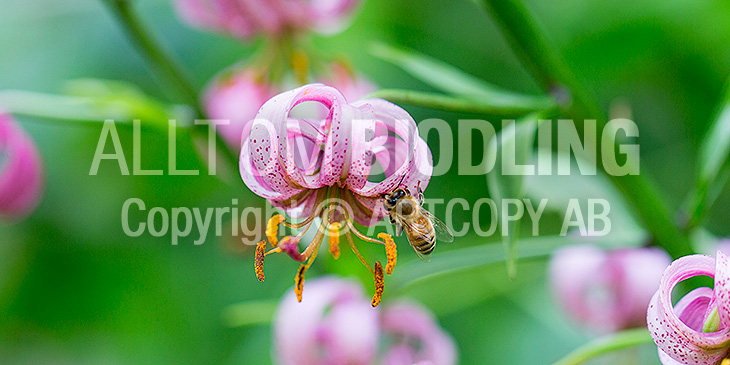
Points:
(545, 63)
(459, 104)
(603, 345)
(164, 66)
(713, 173)
(151, 49)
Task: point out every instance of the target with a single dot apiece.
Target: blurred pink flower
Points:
(347, 81)
(411, 324)
(21, 175)
(323, 168)
(339, 327)
(678, 331)
(247, 18)
(235, 95)
(606, 291)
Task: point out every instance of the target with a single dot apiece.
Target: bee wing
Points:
(415, 230)
(443, 232)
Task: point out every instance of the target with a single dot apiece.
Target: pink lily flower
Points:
(697, 329)
(21, 174)
(606, 291)
(335, 169)
(410, 323)
(247, 18)
(338, 326)
(235, 96)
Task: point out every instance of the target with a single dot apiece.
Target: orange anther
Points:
(334, 238)
(272, 229)
(391, 251)
(379, 284)
(299, 282)
(258, 262)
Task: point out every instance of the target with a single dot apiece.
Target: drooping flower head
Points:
(335, 169)
(338, 326)
(697, 329)
(606, 291)
(21, 174)
(247, 18)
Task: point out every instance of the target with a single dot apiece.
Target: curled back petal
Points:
(412, 155)
(722, 287)
(669, 327)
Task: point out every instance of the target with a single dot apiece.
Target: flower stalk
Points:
(544, 62)
(163, 64)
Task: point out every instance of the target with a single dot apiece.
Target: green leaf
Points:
(506, 181)
(93, 101)
(453, 81)
(451, 103)
(558, 190)
(714, 167)
(484, 254)
(125, 101)
(606, 344)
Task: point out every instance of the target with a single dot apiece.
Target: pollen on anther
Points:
(299, 282)
(272, 229)
(259, 260)
(391, 251)
(379, 284)
(334, 239)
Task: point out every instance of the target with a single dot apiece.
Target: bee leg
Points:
(420, 192)
(398, 229)
(392, 221)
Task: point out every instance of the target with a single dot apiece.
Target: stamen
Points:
(299, 279)
(360, 235)
(725, 362)
(356, 251)
(299, 282)
(391, 251)
(379, 284)
(272, 229)
(259, 260)
(334, 239)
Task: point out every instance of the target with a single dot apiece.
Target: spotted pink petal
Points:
(21, 174)
(722, 287)
(677, 331)
(283, 157)
(410, 154)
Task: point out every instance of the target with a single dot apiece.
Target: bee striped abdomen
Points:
(425, 245)
(424, 239)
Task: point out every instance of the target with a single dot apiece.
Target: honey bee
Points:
(422, 229)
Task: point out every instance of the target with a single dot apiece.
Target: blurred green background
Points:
(74, 288)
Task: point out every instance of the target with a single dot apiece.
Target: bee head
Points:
(392, 198)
